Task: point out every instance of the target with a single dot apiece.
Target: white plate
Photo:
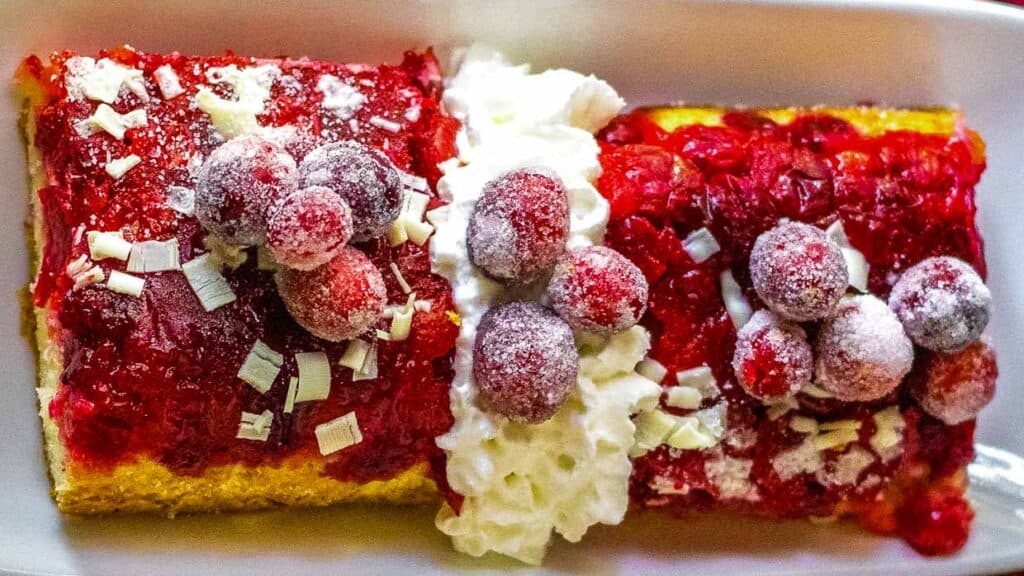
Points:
(901, 53)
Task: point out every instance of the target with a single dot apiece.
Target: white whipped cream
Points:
(521, 482)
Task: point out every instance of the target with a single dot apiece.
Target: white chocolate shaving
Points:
(120, 166)
(651, 369)
(103, 245)
(735, 302)
(261, 367)
(206, 281)
(355, 355)
(255, 426)
(338, 434)
(125, 283)
(154, 256)
(168, 82)
(105, 119)
(701, 245)
(314, 376)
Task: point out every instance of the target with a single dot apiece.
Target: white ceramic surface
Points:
(901, 53)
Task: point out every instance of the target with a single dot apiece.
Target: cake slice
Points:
(171, 376)
(790, 388)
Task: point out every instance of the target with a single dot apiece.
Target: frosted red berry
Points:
(524, 361)
(596, 289)
(309, 228)
(239, 185)
(519, 225)
(798, 271)
(942, 302)
(337, 301)
(773, 358)
(861, 352)
(955, 386)
(364, 177)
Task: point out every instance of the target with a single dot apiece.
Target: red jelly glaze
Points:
(162, 382)
(902, 197)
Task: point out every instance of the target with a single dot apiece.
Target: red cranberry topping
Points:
(773, 358)
(520, 225)
(337, 301)
(364, 177)
(598, 290)
(862, 352)
(239, 185)
(798, 272)
(936, 521)
(309, 228)
(525, 361)
(96, 311)
(954, 387)
(942, 302)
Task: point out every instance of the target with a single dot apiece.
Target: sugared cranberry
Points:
(861, 352)
(942, 302)
(955, 386)
(798, 272)
(773, 358)
(337, 301)
(936, 522)
(596, 289)
(520, 225)
(240, 184)
(309, 228)
(364, 177)
(94, 311)
(525, 361)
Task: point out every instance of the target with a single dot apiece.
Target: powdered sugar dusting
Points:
(942, 303)
(862, 352)
(525, 361)
(338, 97)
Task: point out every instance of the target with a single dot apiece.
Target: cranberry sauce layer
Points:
(901, 196)
(155, 376)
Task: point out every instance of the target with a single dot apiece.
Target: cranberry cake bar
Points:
(278, 281)
(172, 376)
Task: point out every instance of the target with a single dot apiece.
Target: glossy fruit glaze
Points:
(156, 376)
(902, 197)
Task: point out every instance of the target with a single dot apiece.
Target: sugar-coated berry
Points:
(861, 351)
(798, 271)
(519, 225)
(524, 361)
(337, 301)
(309, 228)
(364, 177)
(773, 358)
(596, 289)
(955, 386)
(239, 185)
(942, 302)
